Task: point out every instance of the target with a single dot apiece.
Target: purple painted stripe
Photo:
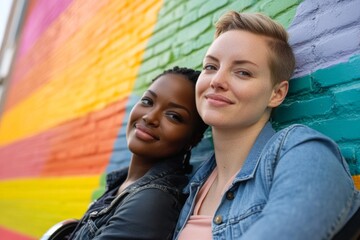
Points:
(42, 15)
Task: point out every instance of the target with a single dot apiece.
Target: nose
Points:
(151, 118)
(219, 81)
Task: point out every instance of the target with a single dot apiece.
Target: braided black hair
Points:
(193, 76)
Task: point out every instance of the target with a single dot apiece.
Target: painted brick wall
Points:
(325, 91)
(81, 65)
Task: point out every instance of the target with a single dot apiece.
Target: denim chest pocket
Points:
(238, 222)
(89, 230)
(250, 216)
(92, 225)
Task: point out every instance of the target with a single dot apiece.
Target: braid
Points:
(186, 164)
(191, 74)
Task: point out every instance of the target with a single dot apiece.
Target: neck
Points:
(232, 146)
(138, 168)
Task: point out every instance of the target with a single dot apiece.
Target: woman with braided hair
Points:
(143, 201)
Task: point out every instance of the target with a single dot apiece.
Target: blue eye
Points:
(209, 67)
(243, 74)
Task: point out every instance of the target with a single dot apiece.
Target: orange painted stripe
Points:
(78, 147)
(104, 72)
(357, 181)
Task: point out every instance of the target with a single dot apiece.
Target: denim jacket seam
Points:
(341, 218)
(163, 188)
(124, 196)
(276, 145)
(255, 208)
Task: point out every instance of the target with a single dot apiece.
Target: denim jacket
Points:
(147, 209)
(294, 184)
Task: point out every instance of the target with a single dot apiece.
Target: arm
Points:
(311, 193)
(149, 214)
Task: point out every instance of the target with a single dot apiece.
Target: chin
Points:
(211, 117)
(213, 122)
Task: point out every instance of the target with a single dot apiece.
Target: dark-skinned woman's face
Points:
(163, 122)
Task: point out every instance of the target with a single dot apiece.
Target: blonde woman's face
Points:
(235, 88)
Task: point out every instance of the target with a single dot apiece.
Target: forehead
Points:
(235, 44)
(173, 86)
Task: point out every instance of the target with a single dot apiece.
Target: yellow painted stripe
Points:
(105, 72)
(32, 206)
(38, 200)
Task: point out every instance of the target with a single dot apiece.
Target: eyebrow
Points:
(152, 93)
(235, 62)
(171, 104)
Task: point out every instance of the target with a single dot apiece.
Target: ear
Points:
(279, 93)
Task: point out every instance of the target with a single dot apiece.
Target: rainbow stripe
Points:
(89, 55)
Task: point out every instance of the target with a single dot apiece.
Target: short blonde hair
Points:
(281, 56)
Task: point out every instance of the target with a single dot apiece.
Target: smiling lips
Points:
(218, 100)
(144, 133)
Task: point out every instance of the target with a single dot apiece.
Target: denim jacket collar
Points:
(248, 169)
(159, 170)
(250, 165)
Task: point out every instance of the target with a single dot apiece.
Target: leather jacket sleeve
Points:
(148, 214)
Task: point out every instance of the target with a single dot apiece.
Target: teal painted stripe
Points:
(332, 108)
(338, 74)
(310, 97)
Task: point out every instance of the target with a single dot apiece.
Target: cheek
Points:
(201, 85)
(250, 92)
(135, 114)
(255, 101)
(178, 138)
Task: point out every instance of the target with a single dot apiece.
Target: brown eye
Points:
(174, 116)
(146, 101)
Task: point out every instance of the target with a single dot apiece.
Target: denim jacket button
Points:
(229, 195)
(93, 214)
(218, 219)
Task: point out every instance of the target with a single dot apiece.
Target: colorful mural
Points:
(81, 65)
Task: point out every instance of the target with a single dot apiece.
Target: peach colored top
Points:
(199, 226)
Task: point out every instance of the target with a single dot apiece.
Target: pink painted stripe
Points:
(42, 15)
(80, 146)
(8, 234)
(25, 158)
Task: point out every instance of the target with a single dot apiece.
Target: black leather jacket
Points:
(147, 209)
